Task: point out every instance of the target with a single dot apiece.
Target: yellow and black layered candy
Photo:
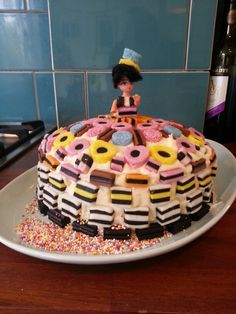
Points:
(86, 191)
(121, 196)
(160, 193)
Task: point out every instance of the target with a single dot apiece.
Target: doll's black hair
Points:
(121, 71)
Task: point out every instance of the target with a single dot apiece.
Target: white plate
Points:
(19, 192)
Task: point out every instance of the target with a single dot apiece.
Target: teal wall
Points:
(68, 47)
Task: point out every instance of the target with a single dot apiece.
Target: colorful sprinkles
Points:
(37, 233)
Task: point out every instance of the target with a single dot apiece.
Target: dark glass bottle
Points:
(220, 122)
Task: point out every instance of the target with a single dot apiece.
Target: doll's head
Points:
(128, 68)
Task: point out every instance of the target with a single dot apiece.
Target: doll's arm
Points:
(114, 106)
(137, 100)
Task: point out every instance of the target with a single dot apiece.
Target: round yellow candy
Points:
(163, 154)
(195, 139)
(102, 151)
(63, 139)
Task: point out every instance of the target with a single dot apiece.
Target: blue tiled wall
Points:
(69, 48)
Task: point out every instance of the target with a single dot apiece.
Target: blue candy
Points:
(122, 138)
(172, 130)
(76, 127)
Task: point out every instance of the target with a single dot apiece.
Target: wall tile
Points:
(45, 95)
(201, 33)
(70, 97)
(11, 4)
(17, 97)
(37, 5)
(92, 34)
(174, 96)
(25, 38)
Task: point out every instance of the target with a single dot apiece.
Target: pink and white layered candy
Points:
(152, 165)
(172, 175)
(136, 156)
(69, 171)
(117, 163)
(60, 153)
(96, 130)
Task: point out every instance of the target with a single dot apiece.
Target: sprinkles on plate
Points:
(40, 234)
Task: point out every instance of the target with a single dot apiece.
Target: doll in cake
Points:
(124, 75)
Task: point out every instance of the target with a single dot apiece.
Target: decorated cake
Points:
(124, 174)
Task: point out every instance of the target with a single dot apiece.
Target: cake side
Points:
(118, 175)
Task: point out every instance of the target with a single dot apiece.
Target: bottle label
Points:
(216, 95)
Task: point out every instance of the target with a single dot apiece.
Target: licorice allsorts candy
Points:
(198, 165)
(43, 208)
(84, 164)
(185, 145)
(194, 201)
(182, 223)
(138, 137)
(63, 139)
(50, 197)
(121, 126)
(200, 213)
(184, 157)
(122, 138)
(43, 173)
(121, 195)
(136, 156)
(102, 178)
(136, 217)
(185, 185)
(118, 234)
(70, 206)
(91, 230)
(152, 165)
(106, 134)
(60, 153)
(117, 163)
(205, 178)
(50, 162)
(102, 151)
(83, 130)
(56, 181)
(155, 230)
(167, 213)
(172, 175)
(101, 216)
(58, 218)
(136, 180)
(160, 193)
(69, 171)
(172, 130)
(77, 146)
(86, 191)
(163, 154)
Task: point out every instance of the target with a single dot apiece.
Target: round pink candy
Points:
(186, 145)
(77, 146)
(147, 126)
(136, 156)
(121, 126)
(152, 135)
(96, 130)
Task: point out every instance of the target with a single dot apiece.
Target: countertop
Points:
(197, 278)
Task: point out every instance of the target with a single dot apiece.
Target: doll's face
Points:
(125, 85)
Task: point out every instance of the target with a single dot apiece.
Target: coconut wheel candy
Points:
(119, 176)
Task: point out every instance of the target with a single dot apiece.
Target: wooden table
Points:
(198, 278)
